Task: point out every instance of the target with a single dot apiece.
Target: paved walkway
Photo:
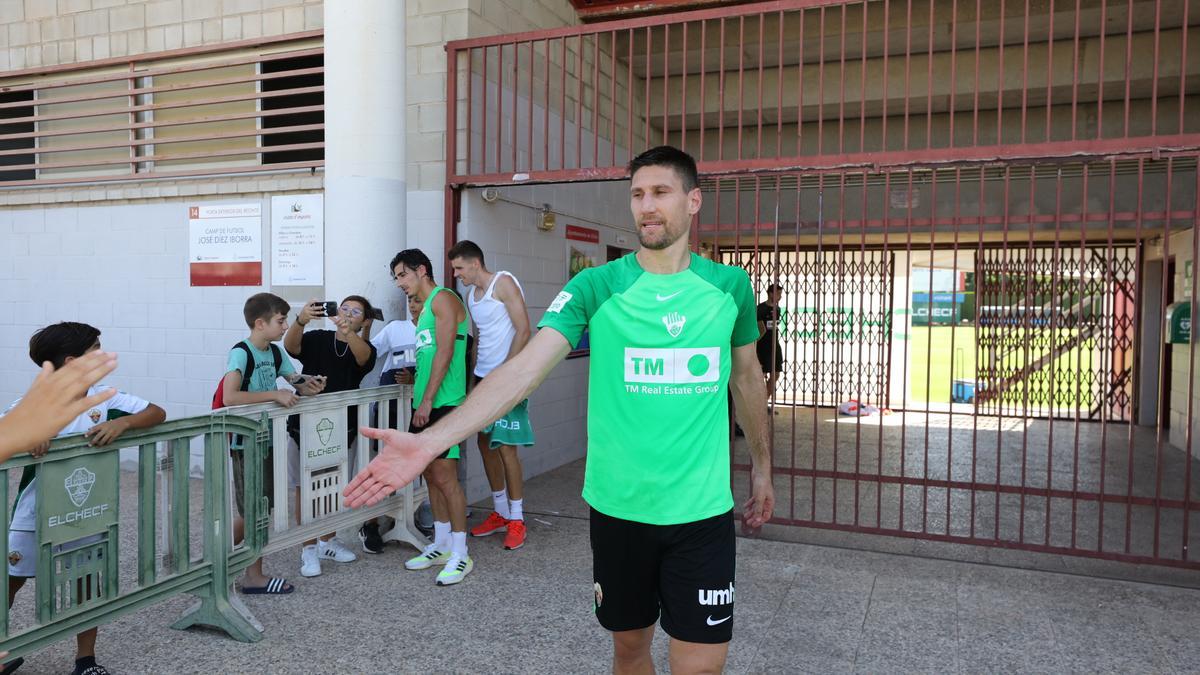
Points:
(801, 608)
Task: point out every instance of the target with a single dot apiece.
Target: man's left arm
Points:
(514, 303)
(750, 401)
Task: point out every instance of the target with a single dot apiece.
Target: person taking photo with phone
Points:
(340, 358)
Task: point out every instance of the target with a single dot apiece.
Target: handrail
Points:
(402, 505)
(78, 577)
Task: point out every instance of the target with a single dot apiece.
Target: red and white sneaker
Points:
(494, 523)
(515, 538)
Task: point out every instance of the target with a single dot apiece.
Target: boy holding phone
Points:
(339, 359)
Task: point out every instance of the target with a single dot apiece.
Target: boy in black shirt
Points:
(342, 357)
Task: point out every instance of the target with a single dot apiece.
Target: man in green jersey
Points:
(440, 385)
(671, 333)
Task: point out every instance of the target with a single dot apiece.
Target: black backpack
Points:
(218, 400)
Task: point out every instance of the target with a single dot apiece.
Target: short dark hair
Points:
(56, 342)
(774, 287)
(412, 259)
(264, 306)
(466, 249)
(362, 301)
(666, 155)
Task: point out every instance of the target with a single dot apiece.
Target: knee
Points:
(443, 475)
(631, 647)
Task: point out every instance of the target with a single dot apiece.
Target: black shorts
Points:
(685, 571)
(765, 359)
(436, 414)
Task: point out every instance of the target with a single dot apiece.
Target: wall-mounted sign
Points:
(298, 240)
(1179, 323)
(225, 245)
(583, 249)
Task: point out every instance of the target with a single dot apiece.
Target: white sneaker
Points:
(310, 561)
(456, 568)
(335, 550)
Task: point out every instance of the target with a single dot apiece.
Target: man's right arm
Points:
(404, 456)
(500, 391)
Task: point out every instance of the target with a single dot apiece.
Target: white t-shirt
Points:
(25, 513)
(397, 343)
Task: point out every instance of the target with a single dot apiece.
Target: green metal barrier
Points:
(78, 531)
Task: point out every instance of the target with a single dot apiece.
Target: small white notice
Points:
(298, 240)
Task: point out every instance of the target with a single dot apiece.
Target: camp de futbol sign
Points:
(225, 245)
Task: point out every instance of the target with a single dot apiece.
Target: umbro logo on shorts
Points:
(721, 597)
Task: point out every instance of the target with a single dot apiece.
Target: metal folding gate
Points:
(981, 214)
(1035, 441)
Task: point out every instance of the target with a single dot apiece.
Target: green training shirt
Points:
(454, 385)
(658, 409)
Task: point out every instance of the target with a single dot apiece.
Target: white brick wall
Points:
(46, 33)
(123, 268)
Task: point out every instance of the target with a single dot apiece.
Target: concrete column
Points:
(365, 183)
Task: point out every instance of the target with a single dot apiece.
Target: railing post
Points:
(217, 607)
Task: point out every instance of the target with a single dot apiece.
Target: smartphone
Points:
(331, 308)
(377, 314)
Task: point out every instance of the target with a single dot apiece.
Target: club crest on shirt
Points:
(94, 415)
(674, 323)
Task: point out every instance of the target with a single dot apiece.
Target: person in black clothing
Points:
(770, 354)
(341, 357)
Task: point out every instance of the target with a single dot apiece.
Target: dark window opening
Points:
(6, 143)
(293, 101)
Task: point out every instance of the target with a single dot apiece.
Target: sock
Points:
(458, 546)
(515, 508)
(500, 503)
(84, 662)
(441, 535)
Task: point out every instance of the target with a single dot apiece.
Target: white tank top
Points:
(496, 330)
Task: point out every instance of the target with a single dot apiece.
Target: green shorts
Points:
(512, 429)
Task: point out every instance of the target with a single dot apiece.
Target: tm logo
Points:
(672, 366)
(325, 430)
(79, 485)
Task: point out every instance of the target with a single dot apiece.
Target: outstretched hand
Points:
(401, 459)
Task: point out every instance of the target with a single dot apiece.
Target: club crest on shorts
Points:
(599, 595)
(14, 558)
(79, 485)
(94, 415)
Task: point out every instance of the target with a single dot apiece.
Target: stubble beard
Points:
(657, 244)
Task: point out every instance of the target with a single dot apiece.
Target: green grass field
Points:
(941, 354)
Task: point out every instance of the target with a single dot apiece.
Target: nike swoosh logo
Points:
(716, 623)
(664, 298)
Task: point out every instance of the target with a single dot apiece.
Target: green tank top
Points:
(454, 385)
